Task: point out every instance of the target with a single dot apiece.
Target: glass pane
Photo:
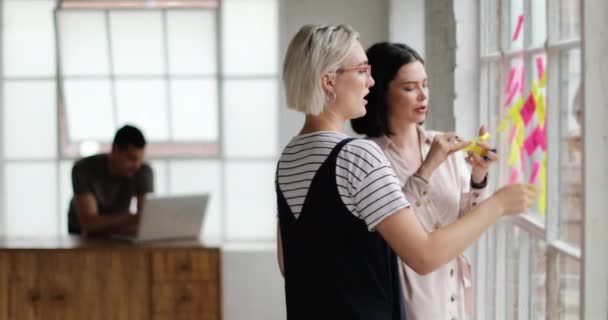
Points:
(490, 27)
(571, 108)
(250, 201)
(539, 22)
(194, 108)
(516, 25)
(569, 288)
(244, 51)
(538, 279)
(161, 179)
(89, 110)
(65, 193)
(24, 182)
(569, 24)
(137, 42)
(30, 119)
(191, 39)
(29, 40)
(201, 176)
(144, 104)
(250, 118)
(83, 43)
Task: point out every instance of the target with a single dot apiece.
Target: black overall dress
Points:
(334, 267)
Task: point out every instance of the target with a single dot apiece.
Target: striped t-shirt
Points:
(366, 182)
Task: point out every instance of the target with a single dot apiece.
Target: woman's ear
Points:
(327, 82)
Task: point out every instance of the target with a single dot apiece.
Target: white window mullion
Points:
(501, 272)
(481, 262)
(524, 273)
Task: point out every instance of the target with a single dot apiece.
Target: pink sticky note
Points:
(527, 112)
(513, 177)
(511, 95)
(510, 81)
(534, 174)
(530, 143)
(512, 134)
(520, 23)
(540, 67)
(541, 137)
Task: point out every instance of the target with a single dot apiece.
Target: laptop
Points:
(170, 218)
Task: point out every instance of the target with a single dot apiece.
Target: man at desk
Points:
(104, 185)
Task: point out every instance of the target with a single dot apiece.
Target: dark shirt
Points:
(91, 175)
(335, 268)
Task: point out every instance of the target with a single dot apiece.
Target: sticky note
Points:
(512, 134)
(513, 176)
(512, 94)
(540, 67)
(542, 199)
(543, 80)
(510, 81)
(541, 112)
(512, 115)
(473, 147)
(527, 111)
(514, 155)
(530, 144)
(520, 22)
(534, 173)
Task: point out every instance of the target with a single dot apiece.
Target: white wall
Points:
(440, 35)
(406, 24)
(466, 104)
(595, 59)
(252, 284)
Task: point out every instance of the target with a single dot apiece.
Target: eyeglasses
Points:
(367, 68)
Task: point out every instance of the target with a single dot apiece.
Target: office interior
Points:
(202, 80)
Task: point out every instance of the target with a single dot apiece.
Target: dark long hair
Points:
(386, 59)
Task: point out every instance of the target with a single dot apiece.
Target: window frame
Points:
(70, 150)
(534, 228)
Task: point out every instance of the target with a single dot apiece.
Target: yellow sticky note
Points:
(473, 147)
(535, 89)
(512, 115)
(542, 198)
(514, 156)
(519, 139)
(541, 109)
(543, 80)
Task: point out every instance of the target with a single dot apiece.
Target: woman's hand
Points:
(515, 198)
(481, 164)
(443, 146)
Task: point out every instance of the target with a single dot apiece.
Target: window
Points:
(193, 75)
(28, 88)
(154, 67)
(530, 74)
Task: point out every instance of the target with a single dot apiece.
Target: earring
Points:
(330, 97)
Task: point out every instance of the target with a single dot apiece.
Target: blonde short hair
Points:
(314, 50)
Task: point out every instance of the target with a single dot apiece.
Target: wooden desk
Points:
(68, 278)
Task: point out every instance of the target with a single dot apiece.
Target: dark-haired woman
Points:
(434, 177)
